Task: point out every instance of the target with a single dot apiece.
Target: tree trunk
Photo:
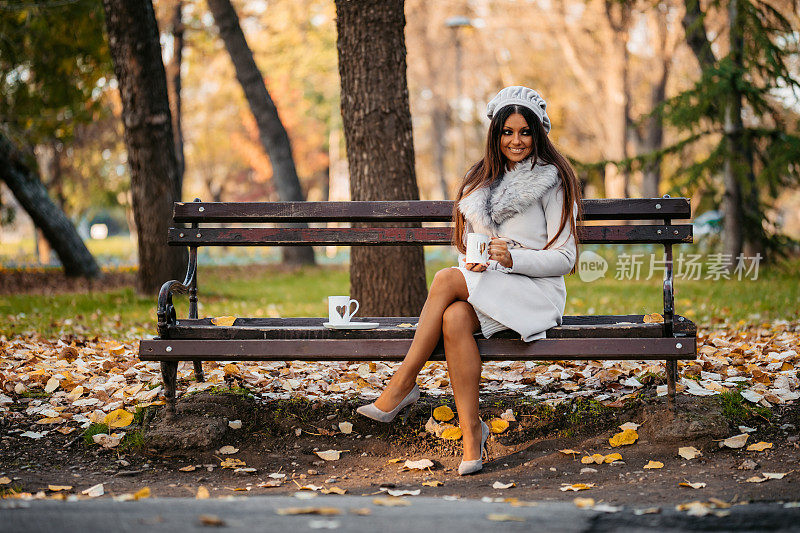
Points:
(271, 132)
(387, 281)
(174, 85)
(54, 224)
(134, 45)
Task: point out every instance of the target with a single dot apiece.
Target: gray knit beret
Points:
(523, 96)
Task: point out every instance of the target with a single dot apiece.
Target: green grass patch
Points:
(133, 440)
(738, 410)
(92, 430)
(270, 290)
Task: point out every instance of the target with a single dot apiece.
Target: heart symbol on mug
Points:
(341, 309)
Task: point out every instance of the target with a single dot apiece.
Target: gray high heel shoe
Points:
(470, 467)
(370, 411)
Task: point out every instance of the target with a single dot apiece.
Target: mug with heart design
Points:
(339, 309)
(477, 248)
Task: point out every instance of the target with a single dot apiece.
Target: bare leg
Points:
(464, 367)
(447, 287)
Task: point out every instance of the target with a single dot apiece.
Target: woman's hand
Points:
(476, 267)
(498, 250)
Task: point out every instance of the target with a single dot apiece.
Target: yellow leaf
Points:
(333, 490)
(624, 438)
(576, 486)
(202, 493)
(737, 441)
(391, 501)
(432, 483)
(118, 418)
(610, 458)
(654, 464)
(231, 369)
(329, 455)
(227, 450)
(142, 493)
(692, 485)
(57, 488)
(443, 413)
(759, 446)
(689, 452)
(190, 468)
(5, 480)
(452, 433)
(499, 517)
(396, 460)
(498, 425)
(570, 452)
(230, 462)
(223, 320)
(582, 503)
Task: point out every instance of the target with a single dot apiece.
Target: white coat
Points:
(524, 208)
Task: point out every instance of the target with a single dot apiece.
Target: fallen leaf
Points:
(363, 511)
(594, 458)
(774, 475)
(654, 464)
(576, 486)
(498, 425)
(391, 501)
(432, 483)
(648, 510)
(629, 425)
(737, 441)
(227, 450)
(142, 493)
(33, 434)
(65, 430)
(452, 433)
(610, 458)
(583, 503)
(329, 455)
(498, 517)
(624, 438)
(692, 485)
(334, 490)
(395, 460)
(190, 468)
(759, 446)
(118, 418)
(230, 462)
(508, 416)
(5, 480)
(689, 452)
(401, 492)
(756, 479)
(443, 413)
(270, 483)
(94, 491)
(58, 488)
(277, 475)
(235, 424)
(211, 520)
(748, 464)
(245, 470)
(223, 320)
(422, 464)
(52, 384)
(346, 427)
(202, 493)
(108, 441)
(498, 485)
(570, 452)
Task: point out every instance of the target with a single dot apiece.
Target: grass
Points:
(92, 430)
(270, 291)
(737, 410)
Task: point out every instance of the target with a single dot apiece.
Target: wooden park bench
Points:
(595, 337)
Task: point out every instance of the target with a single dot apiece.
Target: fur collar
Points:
(516, 191)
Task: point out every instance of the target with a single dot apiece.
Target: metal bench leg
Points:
(672, 373)
(198, 371)
(169, 374)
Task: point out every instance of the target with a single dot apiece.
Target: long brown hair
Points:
(494, 164)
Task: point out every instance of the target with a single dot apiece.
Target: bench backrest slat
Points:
(261, 236)
(406, 211)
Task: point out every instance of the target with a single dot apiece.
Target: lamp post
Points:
(455, 23)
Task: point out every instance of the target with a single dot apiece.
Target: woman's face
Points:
(516, 140)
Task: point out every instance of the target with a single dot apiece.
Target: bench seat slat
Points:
(312, 328)
(260, 236)
(396, 349)
(407, 211)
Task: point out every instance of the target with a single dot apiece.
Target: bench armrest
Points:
(166, 310)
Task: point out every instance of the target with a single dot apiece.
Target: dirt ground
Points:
(281, 436)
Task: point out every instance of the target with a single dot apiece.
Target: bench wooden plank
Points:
(396, 349)
(312, 328)
(407, 211)
(260, 236)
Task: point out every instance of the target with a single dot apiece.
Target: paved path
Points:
(256, 514)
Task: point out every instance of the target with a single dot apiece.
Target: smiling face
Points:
(516, 139)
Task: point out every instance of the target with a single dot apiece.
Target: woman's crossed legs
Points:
(445, 313)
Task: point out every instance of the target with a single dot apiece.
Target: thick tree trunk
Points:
(387, 281)
(271, 132)
(134, 45)
(49, 218)
(174, 85)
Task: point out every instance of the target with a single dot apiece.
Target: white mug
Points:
(477, 248)
(339, 309)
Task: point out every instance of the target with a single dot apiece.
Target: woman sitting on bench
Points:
(525, 196)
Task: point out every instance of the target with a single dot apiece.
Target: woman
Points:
(524, 195)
